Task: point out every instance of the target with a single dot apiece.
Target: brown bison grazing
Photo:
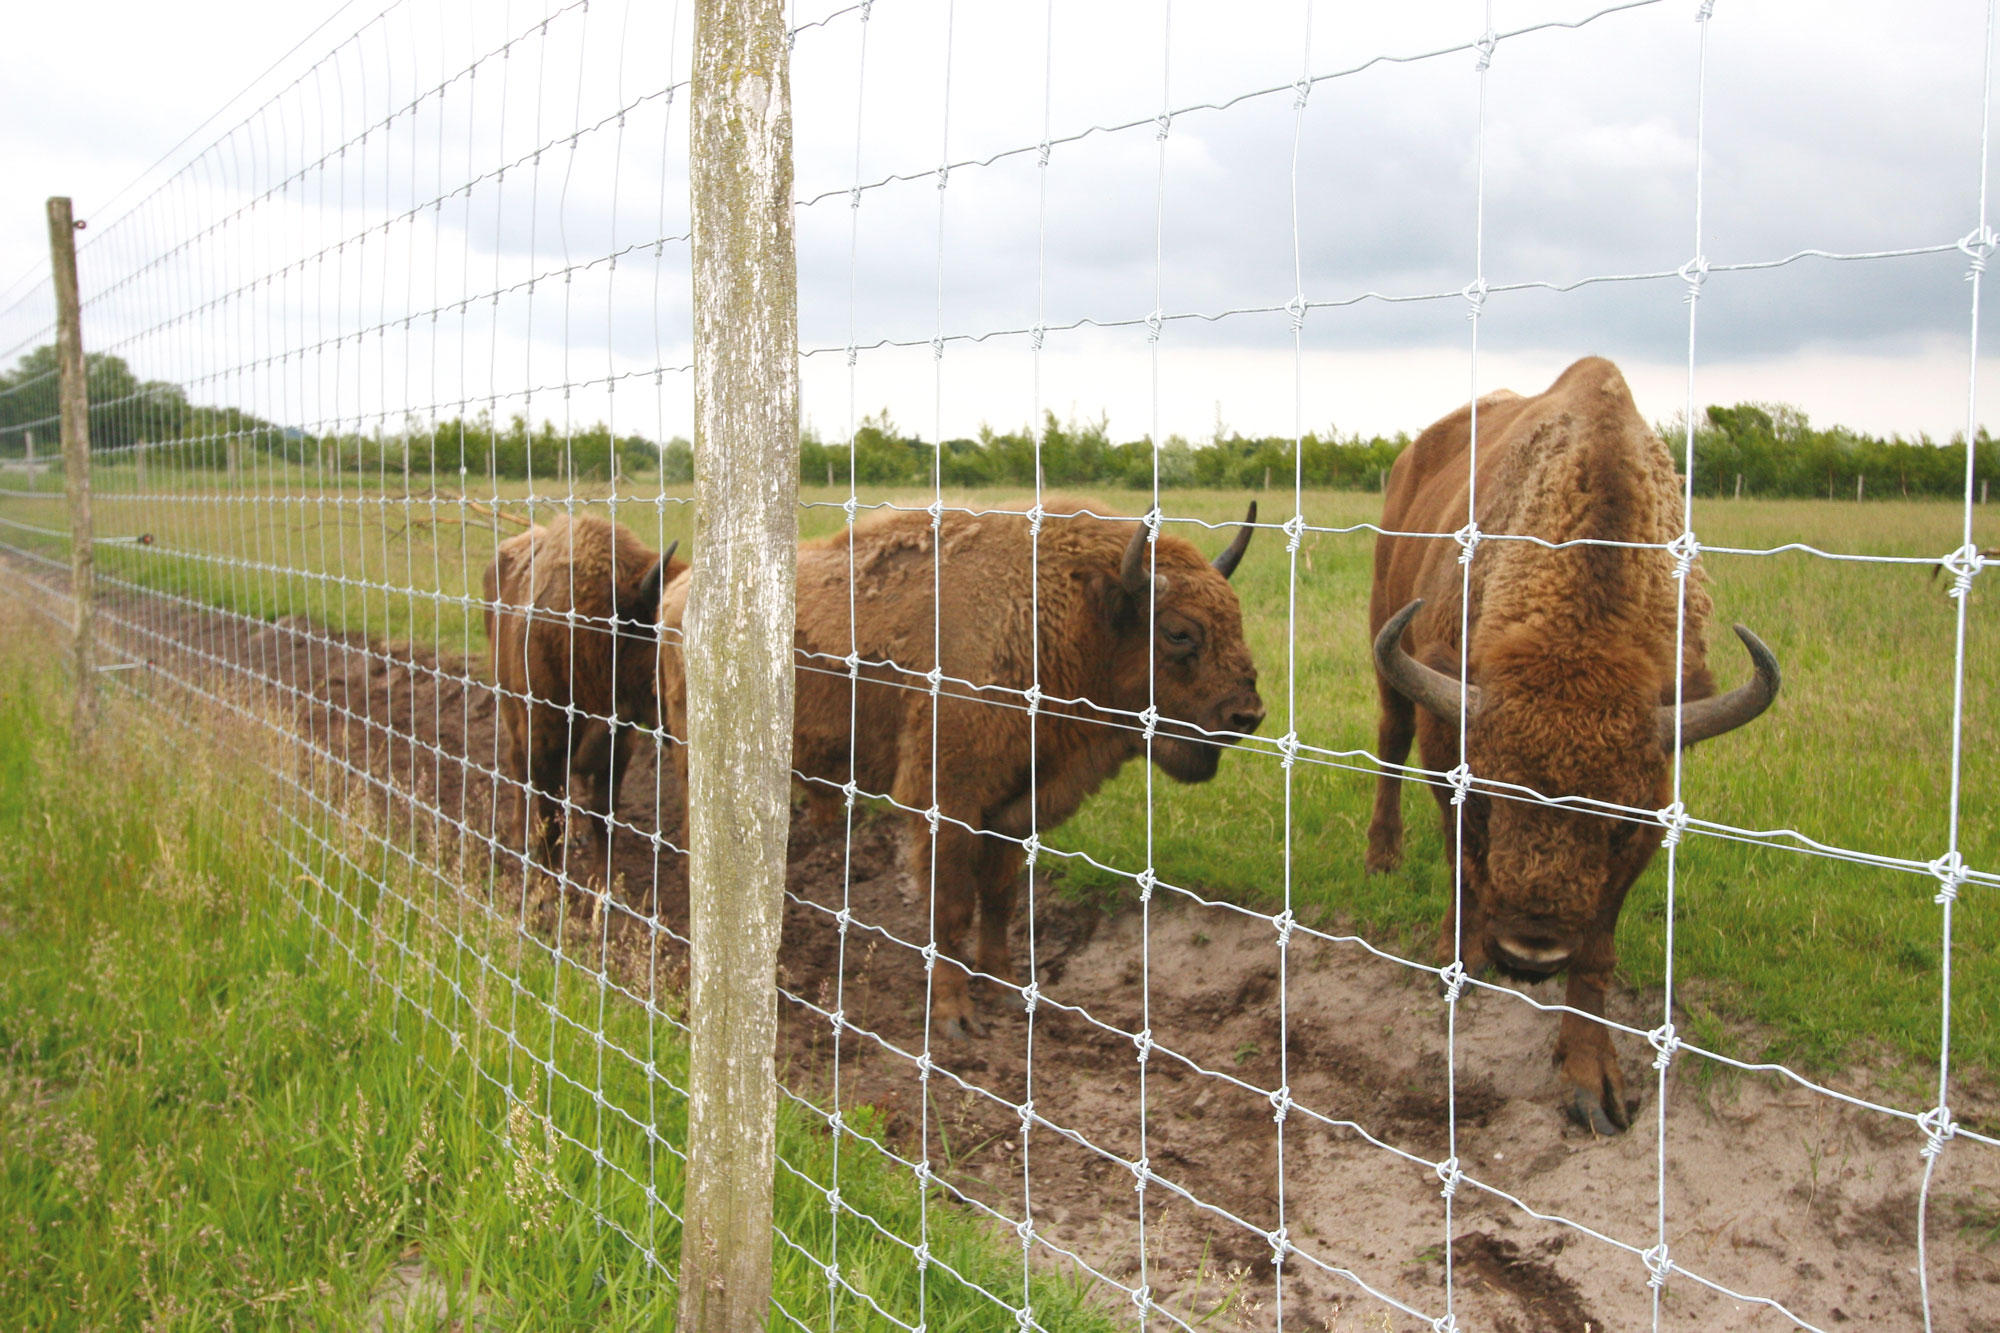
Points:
(553, 595)
(1095, 611)
(1572, 668)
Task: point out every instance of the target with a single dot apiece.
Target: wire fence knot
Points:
(1300, 92)
(930, 957)
(1288, 749)
(1042, 153)
(1142, 1173)
(1468, 539)
(937, 348)
(1165, 121)
(1453, 978)
(833, 1202)
(1280, 1242)
(931, 817)
(922, 1254)
(1142, 1297)
(1154, 319)
(1448, 1172)
(836, 1020)
(1031, 847)
(1143, 1039)
(1938, 1126)
(1658, 1265)
(1707, 11)
(944, 174)
(837, 1122)
(1026, 1110)
(1037, 335)
(1475, 293)
(1683, 549)
(1281, 1103)
(1674, 818)
(848, 791)
(1032, 697)
(1296, 308)
(1149, 722)
(1030, 995)
(1951, 872)
(1460, 779)
(1285, 922)
(1488, 40)
(1146, 879)
(1295, 531)
(1963, 563)
(853, 357)
(1977, 246)
(1445, 1323)
(1665, 1041)
(1694, 273)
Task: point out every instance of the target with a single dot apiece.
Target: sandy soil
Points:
(1771, 1189)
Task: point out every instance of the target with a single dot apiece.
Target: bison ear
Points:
(643, 606)
(1118, 608)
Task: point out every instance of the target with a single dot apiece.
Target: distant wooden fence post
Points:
(75, 399)
(739, 626)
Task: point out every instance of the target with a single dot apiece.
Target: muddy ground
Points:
(1771, 1189)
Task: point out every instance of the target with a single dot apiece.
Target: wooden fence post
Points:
(739, 626)
(75, 399)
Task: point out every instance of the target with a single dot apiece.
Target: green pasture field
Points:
(211, 1116)
(1834, 961)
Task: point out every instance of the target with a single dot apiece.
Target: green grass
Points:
(1838, 960)
(219, 1112)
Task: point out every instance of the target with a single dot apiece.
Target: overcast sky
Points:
(1848, 128)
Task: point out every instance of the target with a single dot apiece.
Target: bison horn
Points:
(1132, 570)
(1706, 718)
(1227, 561)
(1412, 679)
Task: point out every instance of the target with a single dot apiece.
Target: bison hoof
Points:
(1605, 1119)
(1383, 860)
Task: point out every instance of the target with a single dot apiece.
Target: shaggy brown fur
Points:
(1572, 652)
(564, 707)
(1094, 643)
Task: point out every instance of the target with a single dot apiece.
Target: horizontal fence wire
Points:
(460, 236)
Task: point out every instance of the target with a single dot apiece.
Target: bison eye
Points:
(1176, 638)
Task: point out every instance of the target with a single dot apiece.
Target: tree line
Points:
(1753, 449)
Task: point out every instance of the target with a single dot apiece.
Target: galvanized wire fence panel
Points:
(427, 306)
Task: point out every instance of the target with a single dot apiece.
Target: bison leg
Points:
(1393, 734)
(946, 872)
(596, 771)
(548, 780)
(997, 867)
(1591, 1076)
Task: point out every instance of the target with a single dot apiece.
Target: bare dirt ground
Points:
(1771, 1189)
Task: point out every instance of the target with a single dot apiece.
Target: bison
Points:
(1087, 602)
(1572, 667)
(571, 691)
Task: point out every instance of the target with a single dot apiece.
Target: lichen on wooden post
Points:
(739, 627)
(74, 398)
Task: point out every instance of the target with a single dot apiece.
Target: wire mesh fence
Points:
(390, 396)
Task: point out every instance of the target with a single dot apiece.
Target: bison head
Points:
(1561, 721)
(1203, 683)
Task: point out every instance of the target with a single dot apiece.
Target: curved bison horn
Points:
(1132, 570)
(1412, 679)
(1227, 561)
(1706, 718)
